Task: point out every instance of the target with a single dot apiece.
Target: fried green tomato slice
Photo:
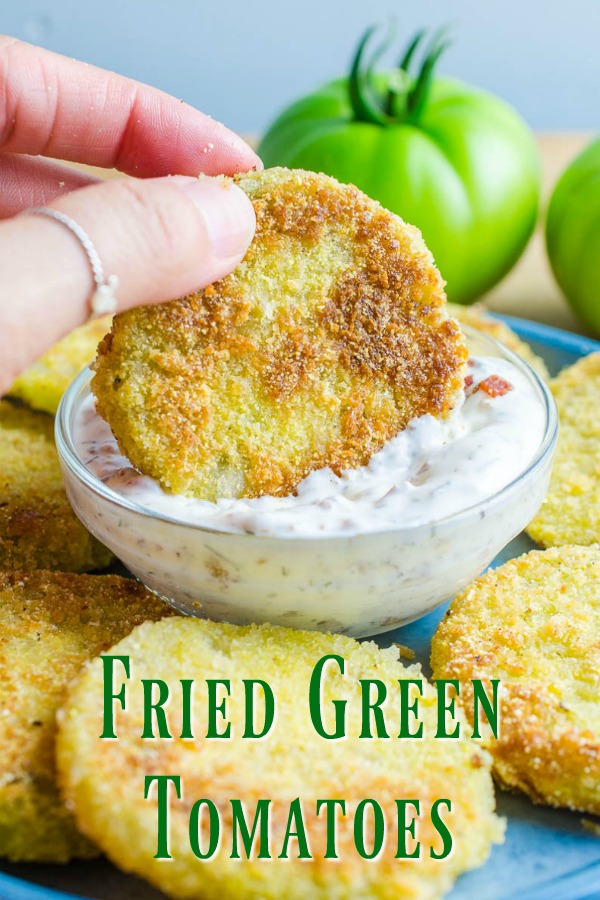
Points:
(570, 514)
(103, 781)
(478, 317)
(534, 623)
(325, 341)
(42, 385)
(38, 528)
(50, 625)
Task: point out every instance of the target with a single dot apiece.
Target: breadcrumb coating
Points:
(570, 514)
(38, 528)
(50, 624)
(326, 340)
(103, 781)
(534, 624)
(42, 385)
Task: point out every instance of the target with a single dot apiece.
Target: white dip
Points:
(429, 471)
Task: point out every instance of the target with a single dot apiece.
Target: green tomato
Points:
(573, 234)
(458, 163)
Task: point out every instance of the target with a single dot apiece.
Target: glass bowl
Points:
(359, 585)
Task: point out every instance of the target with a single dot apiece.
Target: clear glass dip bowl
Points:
(359, 585)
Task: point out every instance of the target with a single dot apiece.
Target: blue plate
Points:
(547, 855)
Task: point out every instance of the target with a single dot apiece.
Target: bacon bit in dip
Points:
(494, 386)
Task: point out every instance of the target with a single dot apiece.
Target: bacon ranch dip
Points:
(429, 471)
(359, 554)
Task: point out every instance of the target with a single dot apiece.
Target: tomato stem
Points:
(410, 51)
(362, 96)
(403, 67)
(419, 95)
(406, 97)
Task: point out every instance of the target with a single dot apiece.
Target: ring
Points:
(103, 301)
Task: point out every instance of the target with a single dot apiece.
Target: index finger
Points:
(65, 109)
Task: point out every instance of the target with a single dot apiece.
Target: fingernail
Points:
(227, 213)
(249, 159)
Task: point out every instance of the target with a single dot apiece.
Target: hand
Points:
(161, 236)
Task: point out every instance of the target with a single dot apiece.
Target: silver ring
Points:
(103, 301)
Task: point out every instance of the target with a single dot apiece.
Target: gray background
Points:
(242, 61)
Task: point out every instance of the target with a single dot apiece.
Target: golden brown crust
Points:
(102, 779)
(50, 624)
(327, 339)
(534, 624)
(570, 514)
(38, 528)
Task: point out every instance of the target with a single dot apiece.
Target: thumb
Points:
(162, 238)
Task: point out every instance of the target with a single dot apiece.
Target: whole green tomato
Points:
(455, 161)
(573, 234)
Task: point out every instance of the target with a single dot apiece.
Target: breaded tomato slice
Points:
(324, 342)
(103, 780)
(570, 514)
(38, 528)
(534, 623)
(50, 625)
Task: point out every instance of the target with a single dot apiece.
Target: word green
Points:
(329, 718)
